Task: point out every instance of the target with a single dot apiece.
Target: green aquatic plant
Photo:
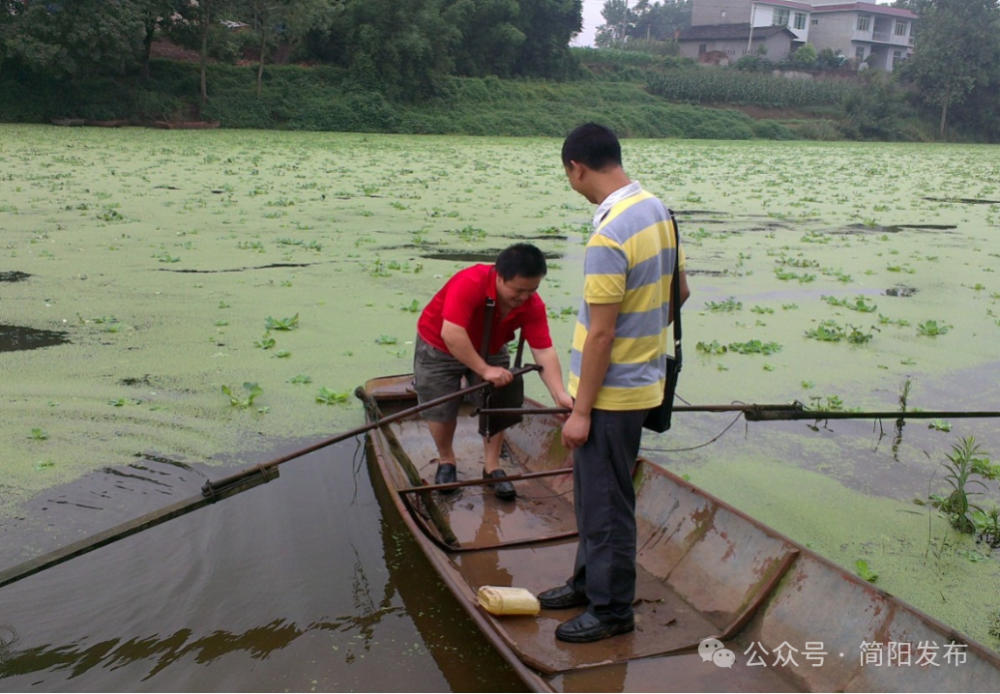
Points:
(786, 276)
(253, 391)
(988, 526)
(300, 378)
(265, 342)
(727, 306)
(281, 324)
(939, 425)
(833, 403)
(754, 347)
(864, 571)
(332, 397)
(831, 331)
(859, 303)
(931, 328)
(412, 307)
(826, 331)
(962, 468)
(712, 347)
(38, 434)
(386, 340)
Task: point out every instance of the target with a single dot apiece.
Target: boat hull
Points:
(704, 570)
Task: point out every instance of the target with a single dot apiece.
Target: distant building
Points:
(875, 35)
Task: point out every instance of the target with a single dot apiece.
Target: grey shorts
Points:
(437, 373)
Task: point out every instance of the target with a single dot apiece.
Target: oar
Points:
(216, 490)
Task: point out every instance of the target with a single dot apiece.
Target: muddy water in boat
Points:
(300, 584)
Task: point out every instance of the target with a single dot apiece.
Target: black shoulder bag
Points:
(658, 418)
(510, 396)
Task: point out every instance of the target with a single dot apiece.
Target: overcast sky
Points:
(591, 20)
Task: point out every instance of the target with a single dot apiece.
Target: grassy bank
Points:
(324, 99)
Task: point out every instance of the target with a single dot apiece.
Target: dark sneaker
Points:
(587, 628)
(446, 474)
(503, 489)
(562, 598)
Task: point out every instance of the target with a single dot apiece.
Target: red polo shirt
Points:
(462, 301)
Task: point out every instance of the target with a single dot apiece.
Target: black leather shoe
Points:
(503, 489)
(446, 474)
(561, 598)
(587, 628)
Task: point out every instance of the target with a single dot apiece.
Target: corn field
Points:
(710, 86)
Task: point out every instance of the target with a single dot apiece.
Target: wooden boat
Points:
(186, 125)
(788, 619)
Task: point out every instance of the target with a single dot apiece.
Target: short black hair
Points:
(594, 145)
(521, 260)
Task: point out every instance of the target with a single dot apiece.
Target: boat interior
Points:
(791, 620)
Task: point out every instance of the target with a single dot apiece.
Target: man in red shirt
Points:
(449, 337)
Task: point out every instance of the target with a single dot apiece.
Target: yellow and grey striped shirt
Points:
(630, 261)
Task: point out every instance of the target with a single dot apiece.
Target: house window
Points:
(813, 22)
(896, 57)
(902, 28)
(860, 53)
(800, 20)
(863, 23)
(702, 48)
(780, 18)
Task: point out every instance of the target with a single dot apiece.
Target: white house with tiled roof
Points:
(877, 35)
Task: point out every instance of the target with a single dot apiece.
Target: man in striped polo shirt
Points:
(617, 372)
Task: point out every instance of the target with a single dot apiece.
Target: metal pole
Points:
(753, 12)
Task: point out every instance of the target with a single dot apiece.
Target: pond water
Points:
(301, 584)
(152, 268)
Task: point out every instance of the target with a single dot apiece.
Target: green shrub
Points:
(819, 130)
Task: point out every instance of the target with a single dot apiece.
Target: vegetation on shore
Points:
(434, 78)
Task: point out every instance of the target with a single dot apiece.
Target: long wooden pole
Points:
(214, 491)
(771, 413)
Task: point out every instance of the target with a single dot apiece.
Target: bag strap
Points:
(675, 292)
(484, 348)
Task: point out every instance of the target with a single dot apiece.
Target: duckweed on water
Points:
(297, 233)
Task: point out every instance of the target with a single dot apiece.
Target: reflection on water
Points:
(297, 584)
(18, 338)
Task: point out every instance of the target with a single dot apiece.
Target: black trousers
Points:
(604, 501)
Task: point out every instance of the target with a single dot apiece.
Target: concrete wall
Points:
(834, 31)
(776, 47)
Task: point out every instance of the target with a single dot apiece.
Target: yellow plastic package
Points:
(499, 600)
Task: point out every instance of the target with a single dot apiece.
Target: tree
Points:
(805, 56)
(660, 20)
(287, 22)
(957, 47)
(401, 47)
(491, 40)
(157, 15)
(71, 37)
(547, 26)
(618, 20)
